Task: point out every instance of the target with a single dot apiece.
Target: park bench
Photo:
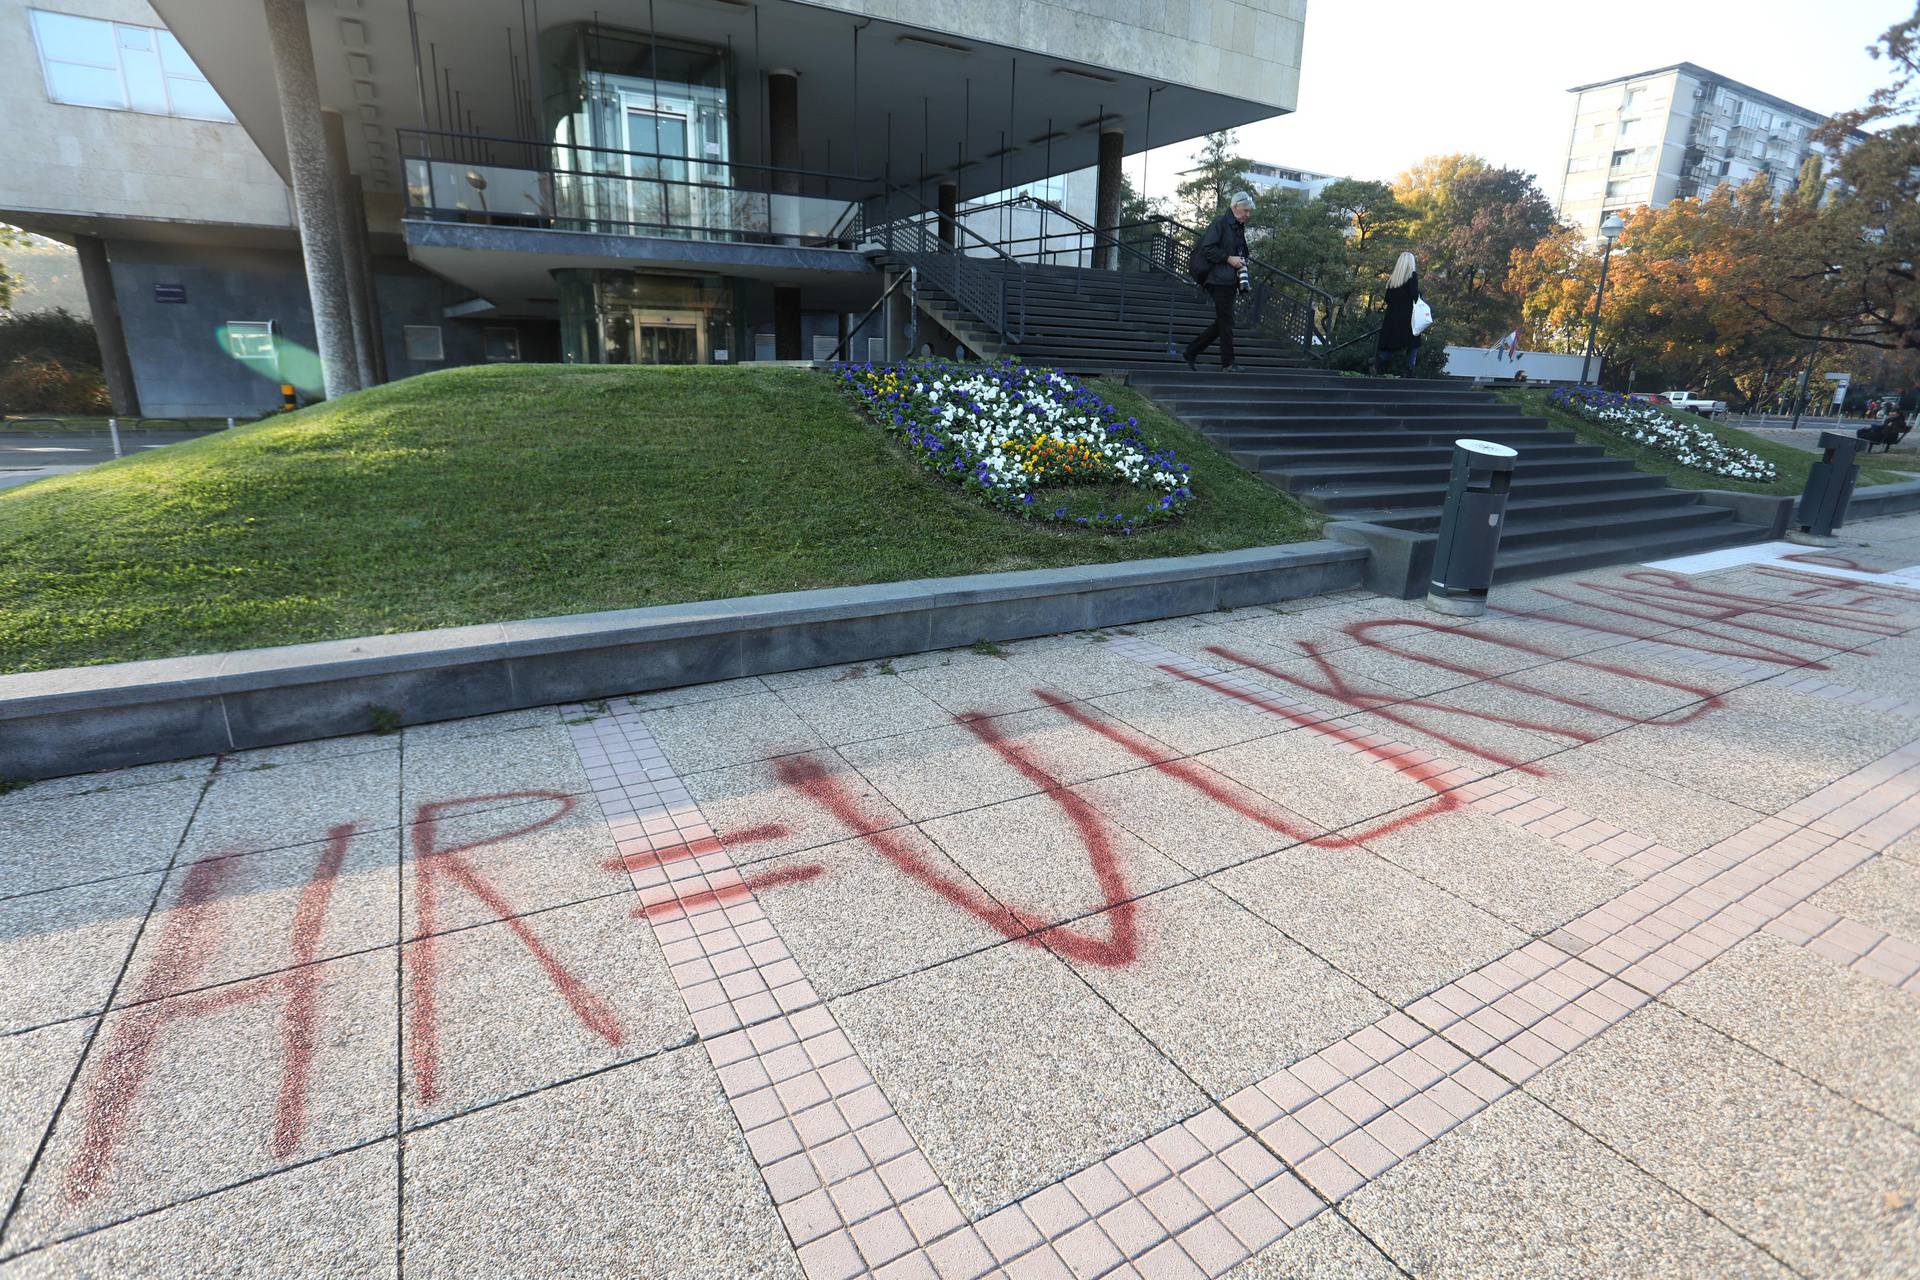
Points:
(1886, 434)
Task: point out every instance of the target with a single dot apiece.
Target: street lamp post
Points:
(1611, 229)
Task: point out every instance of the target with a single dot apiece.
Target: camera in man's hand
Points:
(1246, 281)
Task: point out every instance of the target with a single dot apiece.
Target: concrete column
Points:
(1106, 200)
(949, 205)
(315, 204)
(783, 138)
(376, 331)
(97, 275)
(352, 218)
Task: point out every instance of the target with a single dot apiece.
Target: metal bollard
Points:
(1823, 505)
(1470, 528)
(113, 429)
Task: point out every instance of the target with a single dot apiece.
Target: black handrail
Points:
(912, 280)
(1309, 322)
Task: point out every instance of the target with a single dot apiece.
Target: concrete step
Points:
(1393, 497)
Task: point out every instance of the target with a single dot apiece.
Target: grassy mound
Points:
(1791, 464)
(485, 494)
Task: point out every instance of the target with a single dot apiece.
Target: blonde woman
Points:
(1396, 328)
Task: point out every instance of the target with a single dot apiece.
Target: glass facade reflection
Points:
(630, 317)
(642, 131)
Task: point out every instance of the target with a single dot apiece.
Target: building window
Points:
(500, 343)
(423, 342)
(89, 62)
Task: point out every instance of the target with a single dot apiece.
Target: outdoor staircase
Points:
(1083, 321)
(1380, 450)
(1372, 450)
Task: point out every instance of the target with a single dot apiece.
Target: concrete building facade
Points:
(1673, 133)
(336, 192)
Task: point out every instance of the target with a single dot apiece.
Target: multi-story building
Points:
(1264, 177)
(1673, 133)
(336, 192)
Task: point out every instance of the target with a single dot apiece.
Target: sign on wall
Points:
(169, 293)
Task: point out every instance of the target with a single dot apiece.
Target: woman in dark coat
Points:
(1222, 250)
(1396, 328)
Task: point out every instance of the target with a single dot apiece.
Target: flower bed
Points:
(1644, 424)
(1031, 441)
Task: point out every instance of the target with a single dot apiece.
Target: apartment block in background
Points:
(1674, 133)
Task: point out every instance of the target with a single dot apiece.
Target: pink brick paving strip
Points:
(858, 1196)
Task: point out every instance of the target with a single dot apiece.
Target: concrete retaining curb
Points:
(79, 719)
(1882, 500)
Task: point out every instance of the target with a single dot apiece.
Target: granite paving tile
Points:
(35, 1067)
(1516, 1190)
(1196, 815)
(1884, 894)
(263, 912)
(880, 706)
(1034, 855)
(61, 951)
(527, 856)
(1318, 777)
(1010, 1073)
(79, 784)
(873, 914)
(636, 1171)
(1737, 1134)
(333, 1219)
(726, 731)
(465, 775)
(1524, 879)
(1224, 994)
(1324, 1248)
(1392, 932)
(65, 840)
(1853, 1034)
(277, 806)
(499, 1009)
(757, 814)
(191, 1094)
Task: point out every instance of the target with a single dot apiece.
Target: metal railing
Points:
(978, 275)
(574, 187)
(484, 178)
(1280, 304)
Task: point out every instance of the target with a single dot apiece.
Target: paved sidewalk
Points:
(1328, 940)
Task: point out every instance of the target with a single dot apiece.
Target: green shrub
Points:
(56, 335)
(37, 384)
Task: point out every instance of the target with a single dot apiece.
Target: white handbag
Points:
(1422, 316)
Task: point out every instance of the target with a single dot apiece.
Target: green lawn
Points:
(1791, 463)
(493, 493)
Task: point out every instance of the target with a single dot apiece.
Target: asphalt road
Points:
(23, 449)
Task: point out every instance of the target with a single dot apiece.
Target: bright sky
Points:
(1385, 82)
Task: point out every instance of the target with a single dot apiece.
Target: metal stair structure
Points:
(1371, 451)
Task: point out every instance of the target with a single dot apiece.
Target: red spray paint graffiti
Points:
(431, 862)
(186, 941)
(193, 927)
(1121, 944)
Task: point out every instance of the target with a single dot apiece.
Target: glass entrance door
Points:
(667, 344)
(659, 194)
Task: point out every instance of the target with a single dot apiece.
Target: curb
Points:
(79, 719)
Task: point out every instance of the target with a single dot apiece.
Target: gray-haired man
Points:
(1216, 263)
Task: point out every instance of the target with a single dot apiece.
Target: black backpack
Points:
(1197, 266)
